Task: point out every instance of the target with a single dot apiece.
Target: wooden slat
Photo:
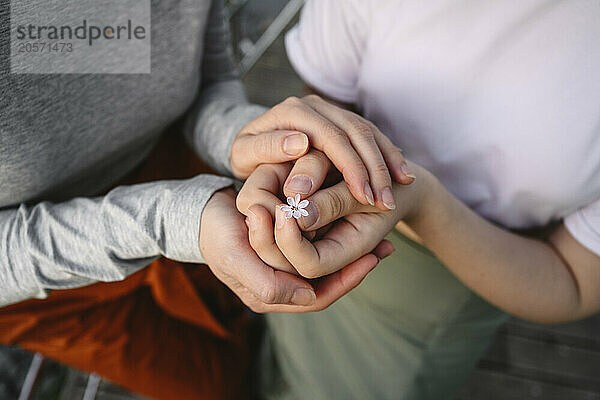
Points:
(551, 362)
(585, 333)
(489, 385)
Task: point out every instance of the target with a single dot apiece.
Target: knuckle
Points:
(335, 204)
(370, 124)
(313, 98)
(262, 146)
(381, 169)
(268, 295)
(333, 132)
(276, 111)
(362, 131)
(289, 109)
(355, 168)
(280, 112)
(334, 138)
(397, 153)
(394, 156)
(309, 271)
(292, 101)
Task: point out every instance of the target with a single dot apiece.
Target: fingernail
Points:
(304, 297)
(279, 217)
(388, 254)
(369, 194)
(388, 198)
(406, 171)
(311, 218)
(300, 184)
(295, 144)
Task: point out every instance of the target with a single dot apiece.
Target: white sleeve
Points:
(326, 46)
(584, 225)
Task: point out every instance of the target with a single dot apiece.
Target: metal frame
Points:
(268, 37)
(91, 388)
(31, 377)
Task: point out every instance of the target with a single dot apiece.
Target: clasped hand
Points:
(341, 164)
(338, 229)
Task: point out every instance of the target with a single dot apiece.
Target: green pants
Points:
(411, 330)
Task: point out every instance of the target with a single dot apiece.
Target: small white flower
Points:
(295, 208)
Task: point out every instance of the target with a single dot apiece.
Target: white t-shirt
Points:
(499, 99)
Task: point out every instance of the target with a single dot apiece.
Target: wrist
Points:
(427, 193)
(220, 198)
(223, 194)
(217, 200)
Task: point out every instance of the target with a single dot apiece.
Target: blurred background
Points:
(526, 361)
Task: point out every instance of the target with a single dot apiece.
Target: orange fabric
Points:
(169, 331)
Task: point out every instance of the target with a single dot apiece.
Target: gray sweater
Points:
(65, 138)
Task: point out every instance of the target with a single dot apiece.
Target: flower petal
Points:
(289, 214)
(303, 204)
(303, 212)
(286, 208)
(297, 199)
(290, 201)
(296, 214)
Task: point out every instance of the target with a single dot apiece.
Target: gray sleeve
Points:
(222, 108)
(84, 240)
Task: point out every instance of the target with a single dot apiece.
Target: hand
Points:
(223, 241)
(355, 146)
(358, 231)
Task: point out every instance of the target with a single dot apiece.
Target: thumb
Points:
(250, 150)
(330, 204)
(282, 288)
(270, 286)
